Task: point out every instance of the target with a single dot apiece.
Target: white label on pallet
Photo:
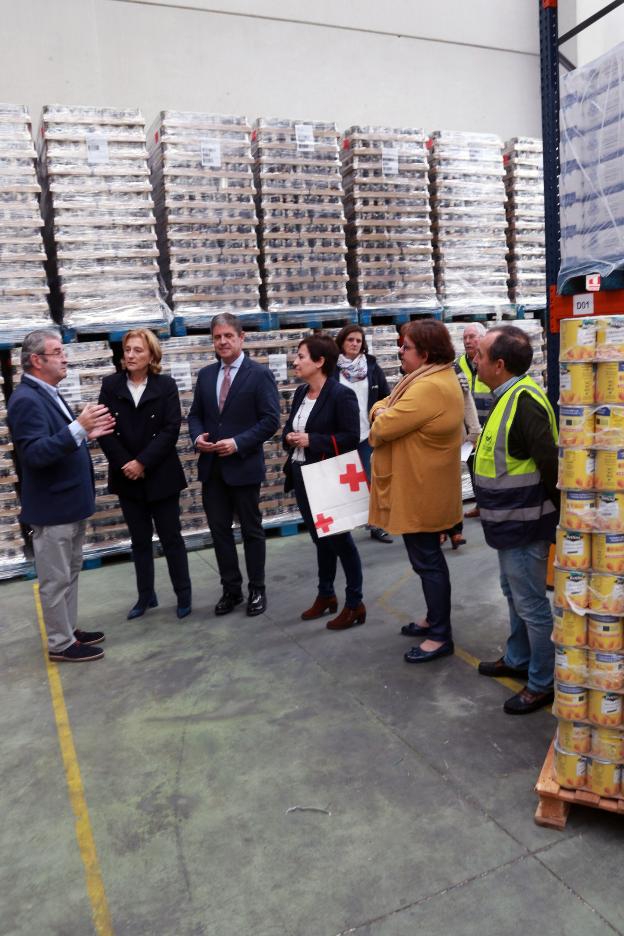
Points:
(389, 160)
(278, 365)
(583, 304)
(304, 135)
(181, 373)
(211, 154)
(97, 148)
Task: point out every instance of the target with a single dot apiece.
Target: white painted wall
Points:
(601, 35)
(451, 64)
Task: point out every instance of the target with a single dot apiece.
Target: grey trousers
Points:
(58, 559)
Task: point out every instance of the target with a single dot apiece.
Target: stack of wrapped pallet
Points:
(386, 184)
(301, 232)
(466, 173)
(12, 558)
(87, 363)
(100, 226)
(526, 238)
(23, 284)
(201, 167)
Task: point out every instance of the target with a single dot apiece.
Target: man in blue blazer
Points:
(235, 410)
(57, 490)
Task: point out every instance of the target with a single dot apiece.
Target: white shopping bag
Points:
(337, 491)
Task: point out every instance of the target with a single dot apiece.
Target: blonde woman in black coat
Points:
(144, 468)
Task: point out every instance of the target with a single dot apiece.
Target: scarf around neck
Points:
(425, 371)
(353, 370)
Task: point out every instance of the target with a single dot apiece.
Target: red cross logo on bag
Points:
(353, 477)
(323, 523)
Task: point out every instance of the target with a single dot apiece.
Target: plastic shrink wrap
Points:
(591, 181)
(386, 185)
(201, 171)
(99, 218)
(300, 210)
(524, 184)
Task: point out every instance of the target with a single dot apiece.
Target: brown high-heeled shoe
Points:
(320, 606)
(348, 617)
(457, 540)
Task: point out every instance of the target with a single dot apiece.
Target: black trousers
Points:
(164, 514)
(221, 502)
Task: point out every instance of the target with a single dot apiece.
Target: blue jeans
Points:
(365, 450)
(523, 582)
(428, 562)
(329, 549)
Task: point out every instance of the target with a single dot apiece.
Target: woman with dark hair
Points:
(324, 421)
(144, 469)
(416, 435)
(360, 371)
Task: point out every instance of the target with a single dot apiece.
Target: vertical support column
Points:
(550, 132)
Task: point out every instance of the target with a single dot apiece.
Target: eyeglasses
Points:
(58, 353)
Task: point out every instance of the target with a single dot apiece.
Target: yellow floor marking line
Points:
(384, 601)
(84, 833)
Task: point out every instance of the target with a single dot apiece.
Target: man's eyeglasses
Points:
(59, 353)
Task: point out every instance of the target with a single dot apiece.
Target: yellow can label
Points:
(606, 593)
(610, 337)
(576, 426)
(570, 769)
(573, 549)
(609, 469)
(607, 743)
(608, 426)
(604, 778)
(571, 702)
(569, 628)
(574, 736)
(570, 665)
(571, 589)
(577, 339)
(576, 383)
(605, 632)
(578, 510)
(607, 552)
(576, 469)
(605, 670)
(609, 382)
(604, 708)
(609, 511)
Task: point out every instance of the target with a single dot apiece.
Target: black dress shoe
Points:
(417, 655)
(380, 535)
(183, 611)
(415, 630)
(227, 602)
(527, 701)
(500, 668)
(141, 607)
(256, 603)
(86, 638)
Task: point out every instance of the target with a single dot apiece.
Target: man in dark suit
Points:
(57, 490)
(235, 410)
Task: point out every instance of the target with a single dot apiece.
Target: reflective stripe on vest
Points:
(515, 502)
(481, 393)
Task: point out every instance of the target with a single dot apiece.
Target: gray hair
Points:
(226, 318)
(478, 327)
(34, 343)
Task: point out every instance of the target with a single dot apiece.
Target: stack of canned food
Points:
(589, 567)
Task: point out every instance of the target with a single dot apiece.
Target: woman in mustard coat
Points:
(416, 435)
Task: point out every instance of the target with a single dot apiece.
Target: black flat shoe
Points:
(140, 608)
(227, 602)
(416, 655)
(415, 630)
(496, 668)
(183, 611)
(256, 603)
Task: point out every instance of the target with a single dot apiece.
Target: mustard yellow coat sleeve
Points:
(416, 469)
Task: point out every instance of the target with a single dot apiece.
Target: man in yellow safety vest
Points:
(515, 475)
(481, 393)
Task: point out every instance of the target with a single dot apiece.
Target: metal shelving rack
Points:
(560, 306)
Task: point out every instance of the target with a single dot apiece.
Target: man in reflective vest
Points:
(481, 393)
(516, 489)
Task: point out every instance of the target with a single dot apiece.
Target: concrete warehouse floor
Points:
(194, 739)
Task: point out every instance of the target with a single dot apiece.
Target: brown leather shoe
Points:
(471, 514)
(320, 606)
(348, 617)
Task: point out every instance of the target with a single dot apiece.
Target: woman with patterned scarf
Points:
(360, 371)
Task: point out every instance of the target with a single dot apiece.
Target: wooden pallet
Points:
(555, 801)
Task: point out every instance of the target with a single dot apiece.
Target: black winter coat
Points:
(147, 432)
